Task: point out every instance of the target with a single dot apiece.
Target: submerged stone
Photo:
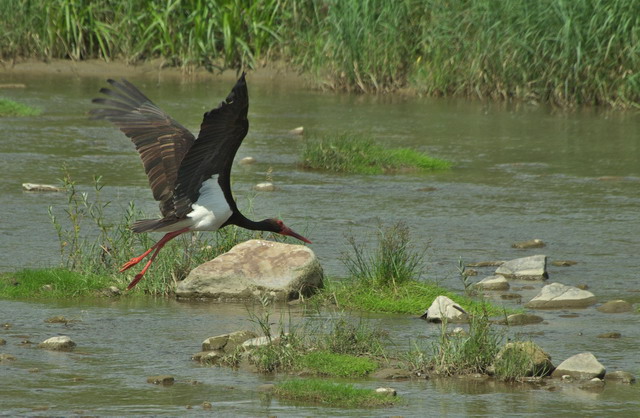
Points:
(615, 306)
(532, 243)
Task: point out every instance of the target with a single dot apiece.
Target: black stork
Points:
(189, 176)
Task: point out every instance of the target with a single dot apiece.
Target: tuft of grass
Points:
(472, 352)
(337, 395)
(11, 108)
(52, 283)
(392, 263)
(326, 363)
(349, 153)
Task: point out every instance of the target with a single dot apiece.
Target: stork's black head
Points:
(276, 225)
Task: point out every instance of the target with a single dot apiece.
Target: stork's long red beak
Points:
(290, 232)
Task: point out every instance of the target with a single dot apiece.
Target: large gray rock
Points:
(526, 268)
(253, 269)
(558, 296)
(444, 308)
(582, 366)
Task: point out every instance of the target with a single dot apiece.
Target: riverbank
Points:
(563, 53)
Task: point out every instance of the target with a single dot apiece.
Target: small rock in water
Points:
(522, 319)
(615, 306)
(486, 264)
(6, 357)
(3, 341)
(264, 187)
(620, 376)
(61, 343)
(387, 391)
(161, 380)
(59, 319)
(31, 187)
(532, 243)
(564, 263)
(493, 283)
(247, 161)
(297, 131)
(610, 335)
(206, 405)
(510, 296)
(582, 366)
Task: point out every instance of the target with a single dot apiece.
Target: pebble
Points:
(165, 380)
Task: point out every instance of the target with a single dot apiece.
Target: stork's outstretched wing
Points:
(161, 141)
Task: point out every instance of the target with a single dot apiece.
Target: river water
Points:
(520, 172)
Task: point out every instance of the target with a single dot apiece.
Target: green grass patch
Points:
(339, 365)
(50, 283)
(348, 153)
(11, 108)
(336, 395)
(411, 297)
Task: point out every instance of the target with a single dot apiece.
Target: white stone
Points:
(443, 307)
(557, 296)
(264, 187)
(526, 268)
(387, 391)
(297, 131)
(247, 161)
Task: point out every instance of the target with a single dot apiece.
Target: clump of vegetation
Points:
(326, 363)
(338, 395)
(90, 244)
(464, 353)
(55, 283)
(11, 108)
(348, 153)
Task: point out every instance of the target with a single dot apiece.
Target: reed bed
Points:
(557, 51)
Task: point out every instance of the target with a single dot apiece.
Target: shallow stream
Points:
(520, 172)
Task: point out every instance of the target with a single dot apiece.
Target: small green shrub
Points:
(349, 153)
(11, 108)
(336, 395)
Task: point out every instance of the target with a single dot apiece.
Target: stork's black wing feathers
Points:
(221, 134)
(161, 141)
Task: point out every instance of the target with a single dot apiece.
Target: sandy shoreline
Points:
(158, 68)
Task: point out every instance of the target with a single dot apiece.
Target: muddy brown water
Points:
(569, 178)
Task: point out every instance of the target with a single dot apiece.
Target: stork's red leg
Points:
(157, 247)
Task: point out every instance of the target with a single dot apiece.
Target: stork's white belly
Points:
(211, 209)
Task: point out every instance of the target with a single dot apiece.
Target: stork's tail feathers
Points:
(150, 225)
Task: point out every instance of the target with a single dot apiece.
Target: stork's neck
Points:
(242, 221)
